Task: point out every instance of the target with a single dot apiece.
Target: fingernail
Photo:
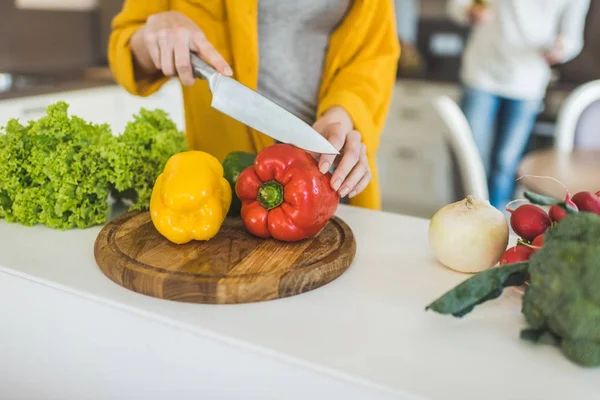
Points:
(344, 192)
(228, 71)
(352, 194)
(324, 168)
(336, 184)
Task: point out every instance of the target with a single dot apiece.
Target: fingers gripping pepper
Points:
(284, 195)
(190, 198)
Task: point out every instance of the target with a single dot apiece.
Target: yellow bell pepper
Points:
(190, 198)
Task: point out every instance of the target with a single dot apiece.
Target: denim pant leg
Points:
(481, 109)
(516, 120)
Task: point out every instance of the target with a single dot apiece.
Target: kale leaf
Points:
(482, 287)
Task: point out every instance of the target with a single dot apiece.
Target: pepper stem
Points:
(270, 194)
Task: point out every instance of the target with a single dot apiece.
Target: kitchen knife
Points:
(249, 107)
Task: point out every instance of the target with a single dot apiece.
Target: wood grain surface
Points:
(233, 267)
(578, 170)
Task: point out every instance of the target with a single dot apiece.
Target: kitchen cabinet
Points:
(7, 111)
(98, 105)
(169, 98)
(413, 159)
(109, 104)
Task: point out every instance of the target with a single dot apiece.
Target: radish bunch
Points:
(530, 221)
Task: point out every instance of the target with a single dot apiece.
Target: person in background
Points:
(505, 73)
(330, 62)
(407, 23)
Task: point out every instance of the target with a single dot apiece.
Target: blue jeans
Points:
(501, 128)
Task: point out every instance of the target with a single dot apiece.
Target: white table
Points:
(68, 332)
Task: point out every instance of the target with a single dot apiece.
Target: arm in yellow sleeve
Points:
(364, 86)
(131, 18)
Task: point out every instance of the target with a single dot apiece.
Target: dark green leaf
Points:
(541, 336)
(582, 352)
(541, 200)
(484, 286)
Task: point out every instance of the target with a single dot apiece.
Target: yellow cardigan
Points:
(359, 72)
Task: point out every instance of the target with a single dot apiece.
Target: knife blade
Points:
(256, 111)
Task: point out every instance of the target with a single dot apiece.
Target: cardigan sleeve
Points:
(131, 18)
(364, 86)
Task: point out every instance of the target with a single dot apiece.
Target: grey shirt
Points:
(293, 37)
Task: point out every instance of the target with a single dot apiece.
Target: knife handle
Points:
(201, 69)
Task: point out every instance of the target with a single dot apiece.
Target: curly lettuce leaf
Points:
(52, 172)
(141, 154)
(59, 170)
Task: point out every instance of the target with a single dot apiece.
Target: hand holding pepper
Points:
(352, 173)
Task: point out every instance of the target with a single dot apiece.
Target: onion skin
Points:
(529, 221)
(468, 236)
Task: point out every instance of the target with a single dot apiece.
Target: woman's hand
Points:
(352, 173)
(556, 54)
(164, 43)
(479, 14)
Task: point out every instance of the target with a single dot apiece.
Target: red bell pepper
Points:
(284, 195)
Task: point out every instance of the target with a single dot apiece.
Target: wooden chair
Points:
(571, 112)
(459, 136)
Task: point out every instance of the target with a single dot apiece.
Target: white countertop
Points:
(367, 326)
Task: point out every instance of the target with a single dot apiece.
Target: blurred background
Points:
(56, 50)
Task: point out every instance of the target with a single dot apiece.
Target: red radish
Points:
(598, 193)
(557, 213)
(587, 201)
(516, 254)
(529, 221)
(538, 241)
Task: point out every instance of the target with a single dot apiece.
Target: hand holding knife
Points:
(249, 107)
(243, 104)
(172, 44)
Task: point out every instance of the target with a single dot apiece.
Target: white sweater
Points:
(505, 55)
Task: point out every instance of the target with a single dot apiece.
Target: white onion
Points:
(468, 236)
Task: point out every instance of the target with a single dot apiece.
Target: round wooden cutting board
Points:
(232, 267)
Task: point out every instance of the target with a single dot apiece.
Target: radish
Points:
(557, 213)
(587, 201)
(529, 221)
(538, 241)
(516, 254)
